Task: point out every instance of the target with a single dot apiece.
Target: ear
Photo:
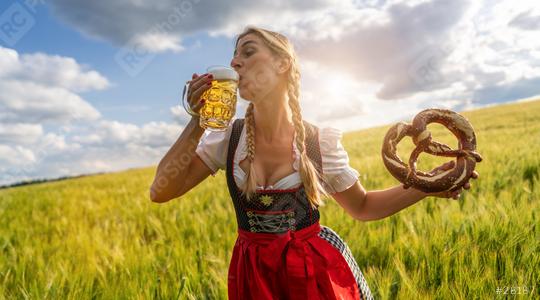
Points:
(282, 65)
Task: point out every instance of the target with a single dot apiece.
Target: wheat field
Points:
(100, 236)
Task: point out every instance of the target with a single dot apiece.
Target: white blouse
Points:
(212, 149)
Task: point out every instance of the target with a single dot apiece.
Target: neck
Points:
(273, 118)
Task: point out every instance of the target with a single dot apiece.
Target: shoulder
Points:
(330, 138)
(213, 147)
(338, 173)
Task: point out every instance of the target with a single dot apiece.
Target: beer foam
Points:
(224, 74)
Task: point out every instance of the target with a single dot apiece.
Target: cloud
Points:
(168, 21)
(25, 101)
(20, 133)
(58, 71)
(107, 133)
(50, 70)
(14, 155)
(526, 21)
(39, 88)
(406, 48)
(101, 146)
(158, 42)
(48, 130)
(390, 52)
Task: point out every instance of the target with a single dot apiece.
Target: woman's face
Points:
(260, 71)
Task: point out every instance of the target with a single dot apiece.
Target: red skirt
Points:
(291, 265)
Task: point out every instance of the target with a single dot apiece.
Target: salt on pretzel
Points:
(449, 180)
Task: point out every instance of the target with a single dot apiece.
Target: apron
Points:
(282, 252)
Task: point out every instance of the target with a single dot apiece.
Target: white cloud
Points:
(39, 88)
(107, 133)
(58, 71)
(158, 42)
(90, 147)
(48, 130)
(15, 155)
(20, 133)
(49, 70)
(33, 102)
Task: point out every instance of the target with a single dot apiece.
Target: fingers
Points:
(198, 106)
(456, 194)
(201, 89)
(474, 174)
(197, 86)
(200, 81)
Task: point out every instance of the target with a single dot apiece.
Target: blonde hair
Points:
(281, 47)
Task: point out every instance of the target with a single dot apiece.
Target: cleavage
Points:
(279, 159)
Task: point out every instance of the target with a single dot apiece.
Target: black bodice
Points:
(273, 211)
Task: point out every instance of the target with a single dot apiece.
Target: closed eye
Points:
(248, 51)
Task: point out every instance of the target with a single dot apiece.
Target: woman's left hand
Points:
(457, 193)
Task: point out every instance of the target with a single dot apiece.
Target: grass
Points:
(100, 237)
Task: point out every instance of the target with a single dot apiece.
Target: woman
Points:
(278, 167)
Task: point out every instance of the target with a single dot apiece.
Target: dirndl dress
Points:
(282, 251)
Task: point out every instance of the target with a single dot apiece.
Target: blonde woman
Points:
(278, 167)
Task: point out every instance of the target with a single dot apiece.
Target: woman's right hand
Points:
(197, 86)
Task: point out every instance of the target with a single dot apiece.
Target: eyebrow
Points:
(245, 43)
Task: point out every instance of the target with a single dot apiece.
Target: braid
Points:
(311, 178)
(250, 183)
(308, 172)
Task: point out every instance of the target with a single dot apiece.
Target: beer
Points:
(220, 105)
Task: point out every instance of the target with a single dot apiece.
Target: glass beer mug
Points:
(220, 105)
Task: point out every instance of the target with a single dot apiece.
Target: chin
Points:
(247, 97)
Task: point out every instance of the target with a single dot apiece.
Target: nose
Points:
(235, 63)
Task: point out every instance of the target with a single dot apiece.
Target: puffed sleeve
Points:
(212, 149)
(337, 172)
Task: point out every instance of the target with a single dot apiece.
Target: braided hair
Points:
(309, 175)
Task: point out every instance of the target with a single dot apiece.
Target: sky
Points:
(95, 86)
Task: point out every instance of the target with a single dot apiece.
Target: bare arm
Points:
(174, 167)
(172, 178)
(379, 204)
(374, 205)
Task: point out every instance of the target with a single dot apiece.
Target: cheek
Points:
(262, 76)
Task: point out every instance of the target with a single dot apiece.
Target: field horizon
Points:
(100, 237)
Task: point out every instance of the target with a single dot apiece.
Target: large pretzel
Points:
(440, 180)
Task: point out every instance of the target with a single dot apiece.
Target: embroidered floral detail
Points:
(266, 200)
(270, 221)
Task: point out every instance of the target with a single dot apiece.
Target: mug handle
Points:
(185, 102)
